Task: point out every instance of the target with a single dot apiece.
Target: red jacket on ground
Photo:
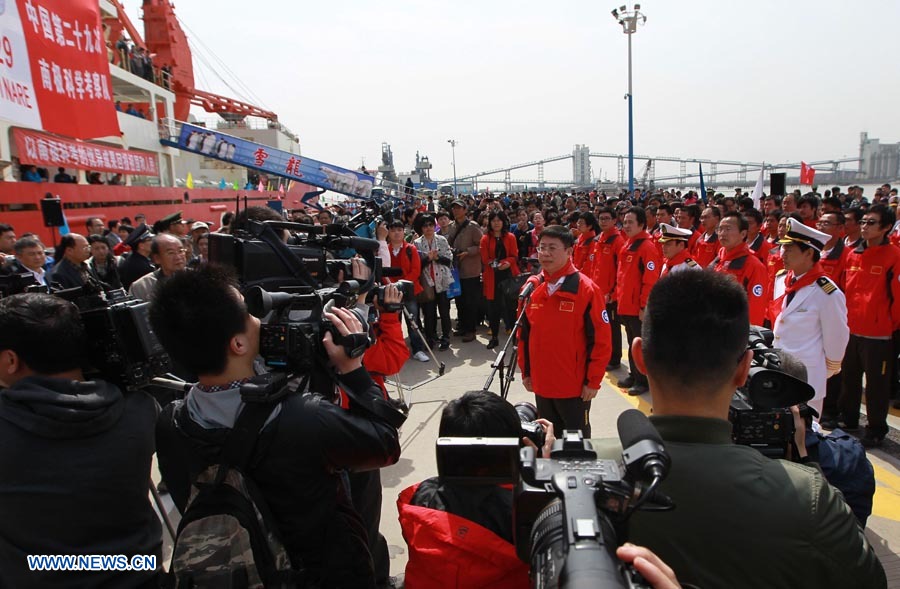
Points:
(448, 551)
(750, 274)
(565, 339)
(873, 290)
(605, 263)
(639, 267)
(488, 248)
(407, 259)
(704, 251)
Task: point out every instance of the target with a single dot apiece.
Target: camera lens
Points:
(527, 411)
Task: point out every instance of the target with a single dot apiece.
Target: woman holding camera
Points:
(436, 278)
(498, 256)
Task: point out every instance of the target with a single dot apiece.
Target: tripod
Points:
(414, 326)
(507, 371)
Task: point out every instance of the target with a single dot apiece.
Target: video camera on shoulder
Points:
(569, 510)
(760, 410)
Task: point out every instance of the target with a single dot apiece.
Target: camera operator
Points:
(406, 257)
(305, 441)
(461, 535)
(742, 520)
(75, 455)
(840, 456)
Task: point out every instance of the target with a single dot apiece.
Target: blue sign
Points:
(272, 161)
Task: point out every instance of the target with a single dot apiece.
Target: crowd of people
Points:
(682, 275)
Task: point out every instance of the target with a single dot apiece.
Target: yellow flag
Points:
(190, 181)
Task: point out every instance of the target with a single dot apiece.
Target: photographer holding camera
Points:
(75, 455)
(305, 442)
(461, 534)
(741, 519)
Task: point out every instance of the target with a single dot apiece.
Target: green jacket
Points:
(744, 520)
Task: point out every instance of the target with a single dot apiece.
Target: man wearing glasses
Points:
(835, 252)
(873, 314)
(565, 337)
(170, 256)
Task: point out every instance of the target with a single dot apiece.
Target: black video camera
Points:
(760, 411)
(122, 347)
(569, 510)
(531, 429)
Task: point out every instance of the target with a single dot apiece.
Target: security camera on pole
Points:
(629, 19)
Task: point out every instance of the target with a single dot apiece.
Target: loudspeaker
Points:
(51, 209)
(777, 181)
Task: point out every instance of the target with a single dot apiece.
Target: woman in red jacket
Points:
(498, 256)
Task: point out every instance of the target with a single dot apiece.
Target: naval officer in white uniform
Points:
(811, 310)
(674, 242)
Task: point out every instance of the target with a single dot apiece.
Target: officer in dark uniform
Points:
(137, 263)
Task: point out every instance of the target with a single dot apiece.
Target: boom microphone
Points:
(643, 450)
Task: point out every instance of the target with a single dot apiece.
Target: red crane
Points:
(166, 39)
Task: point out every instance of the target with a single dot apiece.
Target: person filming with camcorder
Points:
(467, 528)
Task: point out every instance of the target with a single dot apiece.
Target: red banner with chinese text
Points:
(69, 67)
(46, 150)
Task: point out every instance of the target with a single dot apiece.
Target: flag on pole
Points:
(190, 181)
(260, 187)
(222, 184)
(235, 186)
(702, 186)
(807, 174)
(758, 189)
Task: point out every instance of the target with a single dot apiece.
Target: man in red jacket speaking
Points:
(565, 337)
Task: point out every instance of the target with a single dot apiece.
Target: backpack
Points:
(227, 537)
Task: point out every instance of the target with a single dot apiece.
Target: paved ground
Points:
(470, 372)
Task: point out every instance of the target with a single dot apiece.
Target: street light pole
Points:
(629, 19)
(452, 143)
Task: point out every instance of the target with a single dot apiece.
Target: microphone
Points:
(643, 450)
(527, 290)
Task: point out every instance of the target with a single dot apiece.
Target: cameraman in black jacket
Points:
(202, 321)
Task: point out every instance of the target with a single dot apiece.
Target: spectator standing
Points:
(464, 237)
(498, 257)
(638, 271)
(736, 259)
(437, 260)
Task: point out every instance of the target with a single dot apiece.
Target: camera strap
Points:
(241, 440)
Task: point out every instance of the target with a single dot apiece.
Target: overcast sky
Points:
(514, 82)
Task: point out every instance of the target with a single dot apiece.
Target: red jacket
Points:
(565, 337)
(638, 271)
(760, 248)
(407, 259)
(704, 251)
(488, 248)
(448, 551)
(774, 265)
(835, 263)
(750, 274)
(605, 262)
(581, 254)
(873, 290)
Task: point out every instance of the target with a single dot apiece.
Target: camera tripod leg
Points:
(414, 325)
(506, 371)
(162, 510)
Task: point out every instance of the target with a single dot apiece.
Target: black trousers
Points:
(632, 330)
(871, 357)
(571, 413)
(440, 304)
(467, 303)
(616, 329)
(497, 308)
(365, 493)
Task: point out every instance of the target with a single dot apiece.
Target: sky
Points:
(514, 82)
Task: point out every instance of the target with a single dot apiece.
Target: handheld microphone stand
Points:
(500, 367)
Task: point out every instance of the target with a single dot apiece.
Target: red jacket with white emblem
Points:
(750, 273)
(873, 290)
(639, 267)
